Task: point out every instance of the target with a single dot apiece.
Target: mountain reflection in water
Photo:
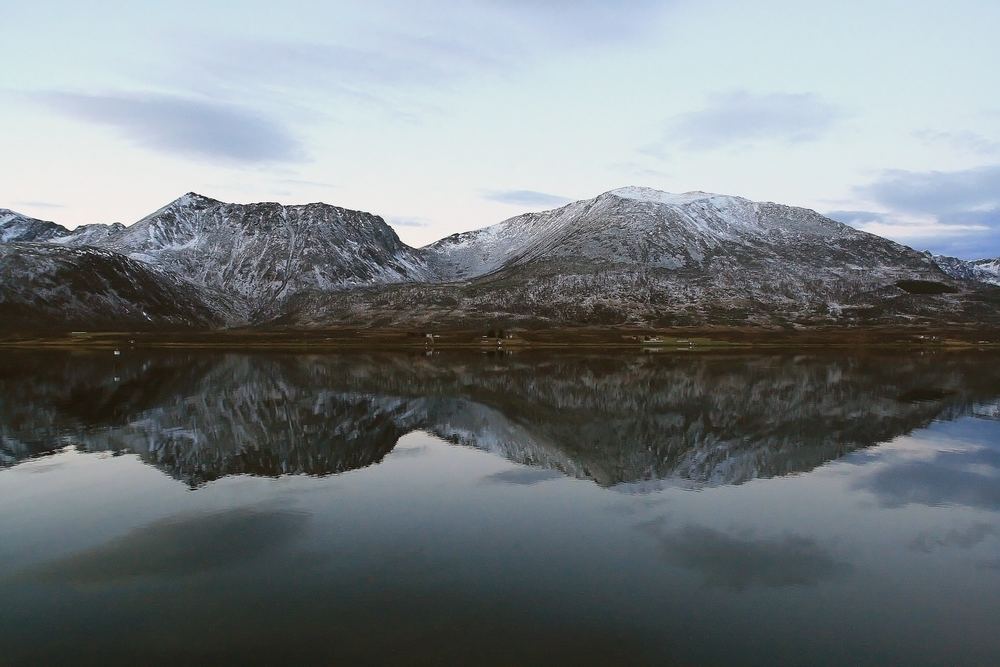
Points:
(619, 420)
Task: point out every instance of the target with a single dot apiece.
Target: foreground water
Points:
(479, 509)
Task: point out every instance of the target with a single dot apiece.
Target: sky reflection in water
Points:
(706, 509)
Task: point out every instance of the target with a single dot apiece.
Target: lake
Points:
(527, 508)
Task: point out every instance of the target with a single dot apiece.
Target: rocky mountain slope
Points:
(991, 267)
(657, 230)
(266, 252)
(44, 286)
(642, 257)
(982, 271)
(16, 228)
(632, 256)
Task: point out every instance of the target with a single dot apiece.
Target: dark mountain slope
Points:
(49, 287)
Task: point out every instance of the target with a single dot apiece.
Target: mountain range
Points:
(628, 257)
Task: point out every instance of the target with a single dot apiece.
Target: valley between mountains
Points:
(628, 258)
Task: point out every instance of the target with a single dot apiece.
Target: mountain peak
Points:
(639, 193)
(190, 198)
(6, 215)
(17, 227)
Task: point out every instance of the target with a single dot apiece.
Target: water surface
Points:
(470, 508)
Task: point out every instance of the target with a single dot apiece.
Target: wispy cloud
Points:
(306, 183)
(408, 221)
(637, 169)
(744, 561)
(740, 118)
(903, 227)
(407, 61)
(188, 126)
(38, 204)
(960, 538)
(526, 198)
(579, 21)
(383, 64)
(178, 547)
(963, 140)
(953, 212)
(970, 478)
(523, 476)
(938, 192)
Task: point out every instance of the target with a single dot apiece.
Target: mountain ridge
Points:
(629, 256)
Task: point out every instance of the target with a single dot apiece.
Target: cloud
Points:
(739, 118)
(526, 198)
(961, 538)
(963, 140)
(902, 227)
(738, 563)
(38, 204)
(306, 184)
(523, 476)
(970, 478)
(425, 48)
(579, 22)
(955, 212)
(937, 192)
(187, 126)
(408, 222)
(405, 61)
(178, 547)
(639, 170)
(920, 232)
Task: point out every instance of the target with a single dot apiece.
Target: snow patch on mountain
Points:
(990, 266)
(16, 228)
(632, 255)
(982, 270)
(265, 251)
(90, 235)
(659, 197)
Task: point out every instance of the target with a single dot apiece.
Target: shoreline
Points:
(583, 338)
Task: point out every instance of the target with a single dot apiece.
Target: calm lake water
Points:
(535, 508)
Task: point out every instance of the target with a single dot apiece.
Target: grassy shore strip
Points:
(578, 338)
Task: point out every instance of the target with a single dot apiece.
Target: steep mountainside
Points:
(266, 252)
(16, 228)
(46, 286)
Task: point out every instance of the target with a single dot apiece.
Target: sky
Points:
(449, 116)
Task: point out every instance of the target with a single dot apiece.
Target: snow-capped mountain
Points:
(641, 256)
(96, 234)
(694, 231)
(15, 228)
(991, 267)
(265, 252)
(18, 228)
(983, 270)
(629, 256)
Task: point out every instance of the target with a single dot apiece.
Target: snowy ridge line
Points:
(631, 255)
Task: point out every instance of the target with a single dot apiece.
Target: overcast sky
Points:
(447, 116)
